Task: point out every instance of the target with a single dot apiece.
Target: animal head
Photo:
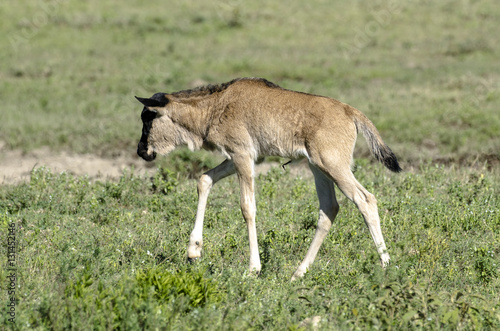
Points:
(159, 133)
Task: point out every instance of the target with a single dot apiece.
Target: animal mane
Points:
(214, 88)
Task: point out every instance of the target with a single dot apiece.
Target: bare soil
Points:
(16, 166)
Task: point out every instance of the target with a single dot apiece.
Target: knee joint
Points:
(204, 183)
(370, 198)
(332, 211)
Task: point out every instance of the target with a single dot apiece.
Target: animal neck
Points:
(193, 114)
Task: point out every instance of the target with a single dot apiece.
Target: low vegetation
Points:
(112, 254)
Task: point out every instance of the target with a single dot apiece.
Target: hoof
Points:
(385, 260)
(298, 274)
(255, 273)
(251, 273)
(192, 259)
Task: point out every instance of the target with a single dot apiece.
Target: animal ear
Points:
(150, 103)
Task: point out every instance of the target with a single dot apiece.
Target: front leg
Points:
(207, 180)
(245, 170)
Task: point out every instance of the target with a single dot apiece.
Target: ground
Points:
(16, 165)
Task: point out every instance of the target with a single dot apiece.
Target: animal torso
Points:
(258, 116)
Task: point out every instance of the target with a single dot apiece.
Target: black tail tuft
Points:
(390, 160)
(380, 150)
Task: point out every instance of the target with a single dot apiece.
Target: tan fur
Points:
(249, 118)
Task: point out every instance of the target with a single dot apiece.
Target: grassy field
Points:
(427, 74)
(112, 254)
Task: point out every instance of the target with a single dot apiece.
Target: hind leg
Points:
(364, 200)
(367, 205)
(328, 209)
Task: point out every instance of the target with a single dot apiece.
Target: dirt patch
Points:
(16, 166)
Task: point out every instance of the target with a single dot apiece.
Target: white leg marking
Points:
(207, 180)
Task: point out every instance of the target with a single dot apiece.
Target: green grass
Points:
(426, 73)
(112, 254)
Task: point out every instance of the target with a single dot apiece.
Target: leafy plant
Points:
(166, 286)
(486, 265)
(164, 181)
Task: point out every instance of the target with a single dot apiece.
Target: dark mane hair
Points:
(214, 88)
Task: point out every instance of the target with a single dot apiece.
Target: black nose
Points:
(142, 151)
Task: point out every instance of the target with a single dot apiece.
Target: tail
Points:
(379, 149)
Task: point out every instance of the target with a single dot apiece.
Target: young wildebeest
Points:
(249, 118)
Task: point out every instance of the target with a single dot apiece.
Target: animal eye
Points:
(148, 115)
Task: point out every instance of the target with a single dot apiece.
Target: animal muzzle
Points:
(142, 151)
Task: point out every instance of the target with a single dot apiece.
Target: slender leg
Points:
(207, 180)
(245, 170)
(367, 205)
(364, 200)
(328, 209)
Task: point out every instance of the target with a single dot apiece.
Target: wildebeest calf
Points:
(249, 118)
